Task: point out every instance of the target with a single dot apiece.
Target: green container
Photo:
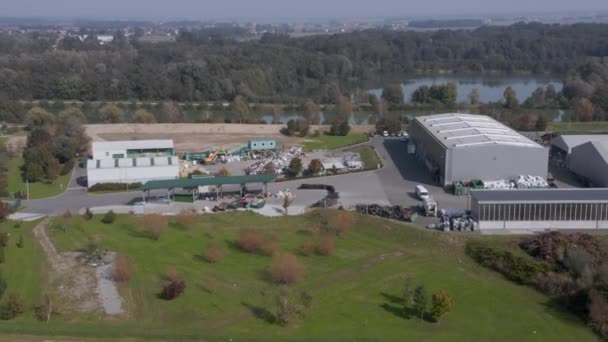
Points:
(183, 198)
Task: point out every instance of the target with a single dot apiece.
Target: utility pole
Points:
(27, 188)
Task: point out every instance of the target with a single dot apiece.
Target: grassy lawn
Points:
(369, 157)
(37, 190)
(599, 126)
(356, 292)
(332, 142)
(23, 268)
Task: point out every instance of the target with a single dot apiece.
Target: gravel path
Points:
(106, 288)
(83, 288)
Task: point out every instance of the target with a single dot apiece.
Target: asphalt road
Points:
(393, 184)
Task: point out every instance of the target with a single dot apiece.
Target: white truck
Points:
(430, 206)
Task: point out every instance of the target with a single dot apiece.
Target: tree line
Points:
(206, 67)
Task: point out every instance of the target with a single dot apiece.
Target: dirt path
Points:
(81, 288)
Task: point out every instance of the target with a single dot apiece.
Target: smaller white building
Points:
(131, 149)
(131, 170)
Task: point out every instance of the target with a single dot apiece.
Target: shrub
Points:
(20, 243)
(67, 215)
(13, 307)
(223, 172)
(114, 186)
(154, 224)
(4, 238)
(340, 221)
(87, 215)
(326, 245)
(286, 269)
(515, 268)
(441, 304)
(123, 268)
(315, 167)
(67, 167)
(295, 167)
(253, 241)
(3, 285)
(308, 248)
(339, 128)
(186, 218)
(213, 253)
(109, 217)
(173, 289)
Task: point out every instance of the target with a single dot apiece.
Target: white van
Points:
(421, 192)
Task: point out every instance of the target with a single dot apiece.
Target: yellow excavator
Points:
(213, 156)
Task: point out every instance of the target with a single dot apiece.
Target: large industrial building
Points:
(566, 143)
(132, 148)
(463, 147)
(135, 161)
(590, 161)
(540, 209)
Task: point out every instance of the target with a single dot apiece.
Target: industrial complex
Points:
(464, 147)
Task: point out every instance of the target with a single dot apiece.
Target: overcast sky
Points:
(209, 9)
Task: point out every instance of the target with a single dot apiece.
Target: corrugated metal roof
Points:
(568, 142)
(204, 181)
(131, 145)
(541, 195)
(456, 130)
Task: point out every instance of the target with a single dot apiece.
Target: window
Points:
(134, 162)
(151, 161)
(170, 160)
(116, 162)
(107, 154)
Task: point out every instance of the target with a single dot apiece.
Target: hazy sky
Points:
(207, 9)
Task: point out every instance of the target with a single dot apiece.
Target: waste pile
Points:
(279, 161)
(330, 200)
(455, 220)
(352, 160)
(395, 212)
(285, 193)
(520, 182)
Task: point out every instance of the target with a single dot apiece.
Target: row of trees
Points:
(53, 143)
(279, 68)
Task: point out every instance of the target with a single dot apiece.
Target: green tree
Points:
(241, 108)
(510, 98)
(408, 291)
(441, 304)
(391, 125)
(111, 114)
(38, 117)
(449, 94)
(377, 104)
(312, 112)
(53, 168)
(393, 94)
(474, 97)
(541, 123)
(422, 95)
(12, 307)
(344, 108)
(339, 128)
(583, 110)
(421, 300)
(295, 167)
(315, 167)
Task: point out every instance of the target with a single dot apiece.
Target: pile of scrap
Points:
(395, 212)
(330, 200)
(279, 161)
(454, 220)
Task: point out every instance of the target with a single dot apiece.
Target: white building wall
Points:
(131, 174)
(105, 154)
(541, 225)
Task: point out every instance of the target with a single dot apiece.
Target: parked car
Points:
(385, 133)
(421, 192)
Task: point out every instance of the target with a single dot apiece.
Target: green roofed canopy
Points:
(205, 181)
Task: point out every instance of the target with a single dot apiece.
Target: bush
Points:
(154, 224)
(87, 215)
(340, 221)
(326, 245)
(339, 128)
(123, 268)
(67, 167)
(315, 167)
(515, 268)
(286, 269)
(173, 289)
(441, 304)
(13, 307)
(253, 241)
(186, 218)
(213, 253)
(223, 172)
(109, 217)
(295, 167)
(3, 285)
(308, 248)
(114, 186)
(4, 238)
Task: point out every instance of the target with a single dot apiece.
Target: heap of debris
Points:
(330, 200)
(395, 212)
(279, 161)
(454, 220)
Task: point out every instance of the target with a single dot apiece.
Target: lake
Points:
(491, 88)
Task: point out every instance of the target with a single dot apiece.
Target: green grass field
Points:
(37, 190)
(356, 292)
(332, 142)
(594, 126)
(369, 157)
